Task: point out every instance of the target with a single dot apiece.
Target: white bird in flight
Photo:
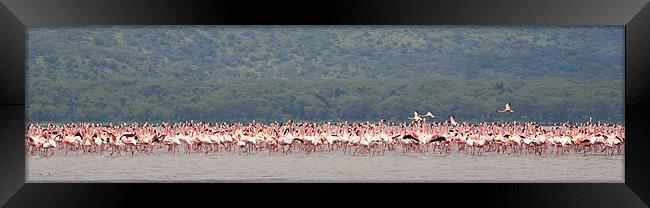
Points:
(452, 120)
(507, 109)
(416, 117)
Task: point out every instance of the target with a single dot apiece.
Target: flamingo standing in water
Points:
(611, 142)
(45, 141)
(130, 139)
(48, 147)
(360, 138)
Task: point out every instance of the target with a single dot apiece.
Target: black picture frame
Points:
(17, 15)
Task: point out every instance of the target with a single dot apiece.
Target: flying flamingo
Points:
(507, 109)
(416, 117)
(452, 120)
(429, 114)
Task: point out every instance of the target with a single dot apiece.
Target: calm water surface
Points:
(325, 167)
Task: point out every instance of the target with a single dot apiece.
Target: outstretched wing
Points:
(508, 106)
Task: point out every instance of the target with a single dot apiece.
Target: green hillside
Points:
(323, 73)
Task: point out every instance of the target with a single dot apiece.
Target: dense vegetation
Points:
(119, 74)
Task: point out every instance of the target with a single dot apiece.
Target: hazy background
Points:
(316, 73)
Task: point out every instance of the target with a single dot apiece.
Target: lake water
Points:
(325, 167)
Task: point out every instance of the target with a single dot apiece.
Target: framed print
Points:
(502, 98)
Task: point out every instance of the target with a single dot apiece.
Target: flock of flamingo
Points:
(350, 138)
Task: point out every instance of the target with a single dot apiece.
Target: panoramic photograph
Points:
(439, 104)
